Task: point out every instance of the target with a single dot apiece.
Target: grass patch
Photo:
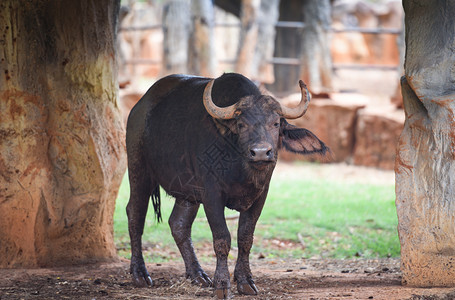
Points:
(309, 219)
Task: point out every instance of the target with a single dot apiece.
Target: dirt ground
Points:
(275, 278)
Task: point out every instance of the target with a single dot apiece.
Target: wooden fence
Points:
(282, 60)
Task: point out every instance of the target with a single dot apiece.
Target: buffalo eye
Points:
(276, 124)
(240, 125)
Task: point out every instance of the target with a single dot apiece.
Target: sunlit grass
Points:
(309, 219)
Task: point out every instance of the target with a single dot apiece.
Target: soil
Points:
(275, 278)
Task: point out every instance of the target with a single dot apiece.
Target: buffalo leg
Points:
(180, 221)
(136, 211)
(221, 244)
(247, 224)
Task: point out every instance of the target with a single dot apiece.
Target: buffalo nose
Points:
(261, 152)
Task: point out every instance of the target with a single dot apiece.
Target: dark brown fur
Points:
(174, 143)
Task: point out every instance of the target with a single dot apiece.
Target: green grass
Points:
(333, 219)
(314, 219)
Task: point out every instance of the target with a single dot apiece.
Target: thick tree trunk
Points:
(287, 44)
(61, 139)
(263, 54)
(176, 33)
(249, 15)
(202, 58)
(257, 39)
(425, 164)
(266, 41)
(316, 68)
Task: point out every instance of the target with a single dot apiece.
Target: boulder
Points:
(333, 121)
(376, 136)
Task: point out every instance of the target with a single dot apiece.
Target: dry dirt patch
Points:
(276, 279)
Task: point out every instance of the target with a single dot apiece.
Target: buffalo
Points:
(213, 142)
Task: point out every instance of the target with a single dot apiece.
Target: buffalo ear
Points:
(301, 141)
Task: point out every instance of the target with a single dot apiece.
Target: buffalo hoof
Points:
(145, 281)
(202, 280)
(223, 293)
(141, 277)
(247, 288)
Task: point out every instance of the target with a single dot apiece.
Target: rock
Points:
(333, 121)
(425, 166)
(376, 137)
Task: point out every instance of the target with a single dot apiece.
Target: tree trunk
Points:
(249, 14)
(62, 153)
(261, 67)
(425, 163)
(202, 58)
(176, 33)
(287, 44)
(316, 68)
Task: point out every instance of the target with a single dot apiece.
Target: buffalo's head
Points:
(260, 123)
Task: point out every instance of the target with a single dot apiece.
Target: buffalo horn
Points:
(214, 110)
(300, 110)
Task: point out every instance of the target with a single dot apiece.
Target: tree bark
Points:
(249, 14)
(176, 33)
(287, 44)
(261, 67)
(425, 163)
(316, 67)
(202, 58)
(62, 152)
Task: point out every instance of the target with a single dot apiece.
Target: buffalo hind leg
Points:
(180, 221)
(245, 233)
(136, 211)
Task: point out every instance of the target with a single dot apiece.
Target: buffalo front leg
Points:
(180, 221)
(245, 233)
(221, 244)
(136, 211)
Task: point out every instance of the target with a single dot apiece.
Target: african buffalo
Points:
(212, 142)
